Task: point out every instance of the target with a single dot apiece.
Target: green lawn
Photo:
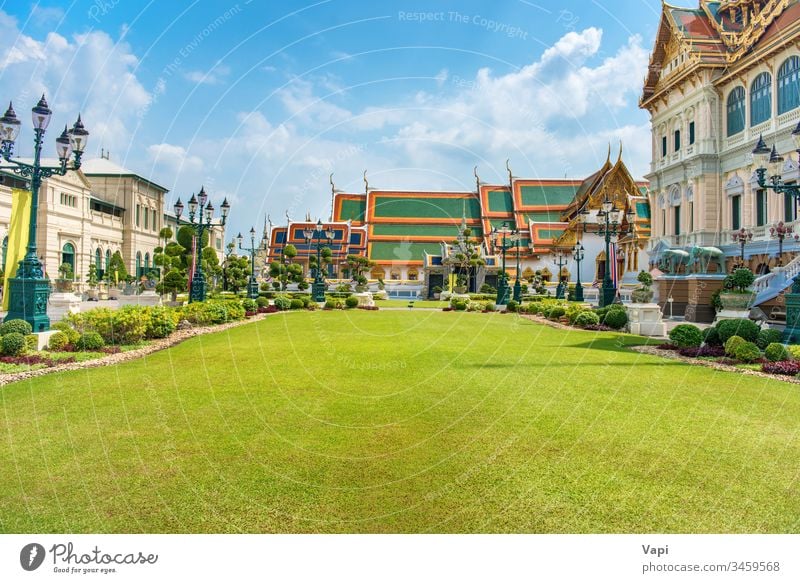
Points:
(400, 422)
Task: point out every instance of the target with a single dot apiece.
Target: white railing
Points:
(768, 286)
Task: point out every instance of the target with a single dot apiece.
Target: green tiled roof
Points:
(541, 195)
(500, 201)
(353, 210)
(643, 210)
(544, 217)
(422, 230)
(427, 207)
(402, 250)
(550, 233)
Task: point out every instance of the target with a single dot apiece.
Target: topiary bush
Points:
(711, 337)
(90, 341)
(71, 332)
(775, 352)
(283, 303)
(616, 318)
(732, 344)
(768, 336)
(460, 305)
(262, 302)
(13, 343)
(249, 305)
(31, 343)
(747, 352)
(573, 311)
(351, 302)
(297, 304)
(330, 304)
(16, 325)
(535, 307)
(587, 318)
(686, 336)
(512, 306)
(747, 329)
(556, 312)
(58, 342)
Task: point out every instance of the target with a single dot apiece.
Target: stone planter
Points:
(102, 291)
(437, 296)
(64, 285)
(645, 320)
(92, 295)
(113, 293)
(642, 296)
(361, 288)
(736, 301)
(460, 289)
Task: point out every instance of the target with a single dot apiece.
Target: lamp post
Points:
(252, 284)
(29, 290)
(561, 261)
(500, 237)
(781, 232)
(743, 237)
(318, 236)
(516, 238)
(200, 208)
(578, 254)
(610, 226)
(764, 156)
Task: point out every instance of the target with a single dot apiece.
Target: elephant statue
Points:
(703, 257)
(671, 260)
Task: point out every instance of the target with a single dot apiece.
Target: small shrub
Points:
(782, 367)
(58, 342)
(16, 325)
(512, 306)
(71, 332)
(616, 319)
(711, 337)
(555, 312)
(707, 350)
(794, 350)
(283, 303)
(769, 336)
(535, 307)
(13, 343)
(306, 301)
(351, 302)
(489, 307)
(686, 336)
(775, 351)
(249, 305)
(747, 329)
(162, 322)
(459, 305)
(296, 304)
(262, 302)
(90, 342)
(573, 311)
(31, 343)
(747, 352)
(330, 304)
(587, 318)
(732, 344)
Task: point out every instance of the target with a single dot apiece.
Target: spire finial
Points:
(366, 183)
(510, 176)
(608, 157)
(619, 159)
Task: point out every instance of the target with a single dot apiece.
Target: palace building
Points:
(722, 74)
(407, 234)
(87, 215)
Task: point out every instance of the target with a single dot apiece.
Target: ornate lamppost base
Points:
(318, 291)
(517, 291)
(29, 302)
(608, 293)
(198, 288)
(502, 292)
(578, 292)
(560, 291)
(252, 288)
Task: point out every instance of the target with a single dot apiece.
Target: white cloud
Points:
(215, 76)
(173, 159)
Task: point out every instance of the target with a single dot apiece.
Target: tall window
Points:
(736, 212)
(153, 220)
(146, 218)
(663, 146)
(68, 255)
(664, 221)
(98, 262)
(138, 214)
(789, 208)
(677, 219)
(138, 264)
(677, 140)
(788, 85)
(691, 216)
(691, 133)
(761, 208)
(761, 99)
(735, 111)
(108, 259)
(146, 261)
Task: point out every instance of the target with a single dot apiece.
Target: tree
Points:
(358, 266)
(288, 272)
(326, 255)
(116, 268)
(237, 272)
(174, 281)
(465, 255)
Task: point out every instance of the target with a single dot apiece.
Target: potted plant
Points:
(461, 284)
(437, 292)
(644, 294)
(64, 283)
(91, 280)
(736, 293)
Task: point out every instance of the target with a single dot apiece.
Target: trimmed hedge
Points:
(586, 319)
(711, 337)
(747, 329)
(351, 302)
(769, 336)
(775, 351)
(13, 343)
(686, 336)
(732, 344)
(90, 341)
(58, 342)
(16, 325)
(616, 319)
(747, 352)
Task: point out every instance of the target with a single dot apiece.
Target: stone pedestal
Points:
(61, 304)
(645, 320)
(364, 299)
(147, 298)
(43, 339)
(691, 295)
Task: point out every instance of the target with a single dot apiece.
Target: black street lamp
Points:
(200, 208)
(578, 254)
(252, 284)
(501, 238)
(516, 238)
(609, 225)
(319, 236)
(743, 237)
(781, 232)
(561, 261)
(764, 156)
(29, 290)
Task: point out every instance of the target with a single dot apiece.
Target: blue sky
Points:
(261, 101)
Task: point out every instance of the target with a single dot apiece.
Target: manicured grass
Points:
(400, 421)
(416, 303)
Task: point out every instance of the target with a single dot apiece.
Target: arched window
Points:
(761, 99)
(146, 261)
(138, 264)
(108, 260)
(413, 274)
(789, 85)
(68, 255)
(98, 262)
(735, 111)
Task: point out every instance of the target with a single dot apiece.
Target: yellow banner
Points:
(451, 282)
(17, 237)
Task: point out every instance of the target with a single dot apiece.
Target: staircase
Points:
(773, 283)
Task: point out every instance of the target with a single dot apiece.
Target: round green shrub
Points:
(262, 302)
(90, 341)
(776, 351)
(686, 336)
(460, 305)
(535, 308)
(351, 302)
(711, 337)
(512, 306)
(732, 343)
(283, 303)
(556, 312)
(13, 343)
(747, 329)
(296, 304)
(71, 332)
(306, 301)
(747, 352)
(616, 318)
(31, 343)
(587, 318)
(58, 341)
(330, 304)
(161, 323)
(769, 336)
(489, 307)
(16, 325)
(249, 305)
